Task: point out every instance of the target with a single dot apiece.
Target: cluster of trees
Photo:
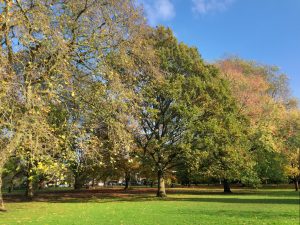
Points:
(89, 91)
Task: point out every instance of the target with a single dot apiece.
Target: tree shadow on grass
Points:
(260, 192)
(241, 200)
(143, 195)
(80, 197)
(111, 199)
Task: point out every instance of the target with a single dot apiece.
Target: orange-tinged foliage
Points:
(249, 88)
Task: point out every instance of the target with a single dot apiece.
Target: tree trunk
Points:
(77, 183)
(29, 183)
(29, 188)
(93, 183)
(11, 186)
(127, 179)
(296, 182)
(161, 190)
(42, 184)
(2, 208)
(226, 186)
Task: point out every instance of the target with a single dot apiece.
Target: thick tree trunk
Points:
(2, 208)
(161, 190)
(296, 182)
(29, 182)
(29, 188)
(77, 183)
(226, 186)
(127, 179)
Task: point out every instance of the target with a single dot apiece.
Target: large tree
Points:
(188, 97)
(291, 150)
(52, 50)
(262, 96)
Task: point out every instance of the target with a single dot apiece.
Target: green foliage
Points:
(262, 96)
(87, 88)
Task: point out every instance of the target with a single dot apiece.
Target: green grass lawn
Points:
(193, 206)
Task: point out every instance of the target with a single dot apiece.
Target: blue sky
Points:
(267, 31)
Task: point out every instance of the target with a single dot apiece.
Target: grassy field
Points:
(138, 206)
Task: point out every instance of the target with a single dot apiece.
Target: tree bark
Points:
(127, 179)
(77, 184)
(11, 187)
(226, 186)
(41, 184)
(93, 182)
(296, 182)
(29, 182)
(29, 188)
(2, 208)
(161, 190)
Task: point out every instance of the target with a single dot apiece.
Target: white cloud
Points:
(158, 10)
(206, 6)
